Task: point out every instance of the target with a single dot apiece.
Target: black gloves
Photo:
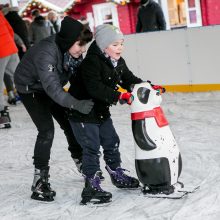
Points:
(83, 106)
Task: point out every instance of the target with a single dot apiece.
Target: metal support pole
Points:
(14, 3)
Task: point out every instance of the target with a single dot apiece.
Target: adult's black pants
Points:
(42, 109)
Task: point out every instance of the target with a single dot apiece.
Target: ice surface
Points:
(195, 121)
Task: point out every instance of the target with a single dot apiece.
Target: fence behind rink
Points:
(182, 59)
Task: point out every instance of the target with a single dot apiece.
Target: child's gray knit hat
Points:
(107, 34)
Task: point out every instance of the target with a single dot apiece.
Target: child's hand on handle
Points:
(157, 87)
(125, 97)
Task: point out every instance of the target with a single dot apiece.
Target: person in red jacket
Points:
(8, 62)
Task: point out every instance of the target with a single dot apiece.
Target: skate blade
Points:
(177, 194)
(95, 202)
(38, 197)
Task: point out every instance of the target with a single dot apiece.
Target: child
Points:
(100, 73)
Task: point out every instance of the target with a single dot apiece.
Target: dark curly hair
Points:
(85, 36)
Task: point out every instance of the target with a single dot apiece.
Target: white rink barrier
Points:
(182, 60)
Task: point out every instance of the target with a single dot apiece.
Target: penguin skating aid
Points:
(157, 157)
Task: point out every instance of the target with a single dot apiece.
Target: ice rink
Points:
(194, 120)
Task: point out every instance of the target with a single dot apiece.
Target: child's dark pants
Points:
(90, 136)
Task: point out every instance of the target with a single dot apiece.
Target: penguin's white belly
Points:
(166, 147)
(162, 137)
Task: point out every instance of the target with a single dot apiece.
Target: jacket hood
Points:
(13, 16)
(40, 20)
(94, 49)
(145, 2)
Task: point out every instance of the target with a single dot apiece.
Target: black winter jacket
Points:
(97, 79)
(39, 29)
(150, 18)
(41, 70)
(18, 26)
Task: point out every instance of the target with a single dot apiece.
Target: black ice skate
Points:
(5, 118)
(121, 180)
(41, 187)
(93, 193)
(11, 98)
(78, 163)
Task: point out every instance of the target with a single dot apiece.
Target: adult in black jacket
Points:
(100, 74)
(19, 27)
(150, 17)
(39, 79)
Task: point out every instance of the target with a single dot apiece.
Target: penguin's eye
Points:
(143, 94)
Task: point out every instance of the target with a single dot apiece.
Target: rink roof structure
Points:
(56, 5)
